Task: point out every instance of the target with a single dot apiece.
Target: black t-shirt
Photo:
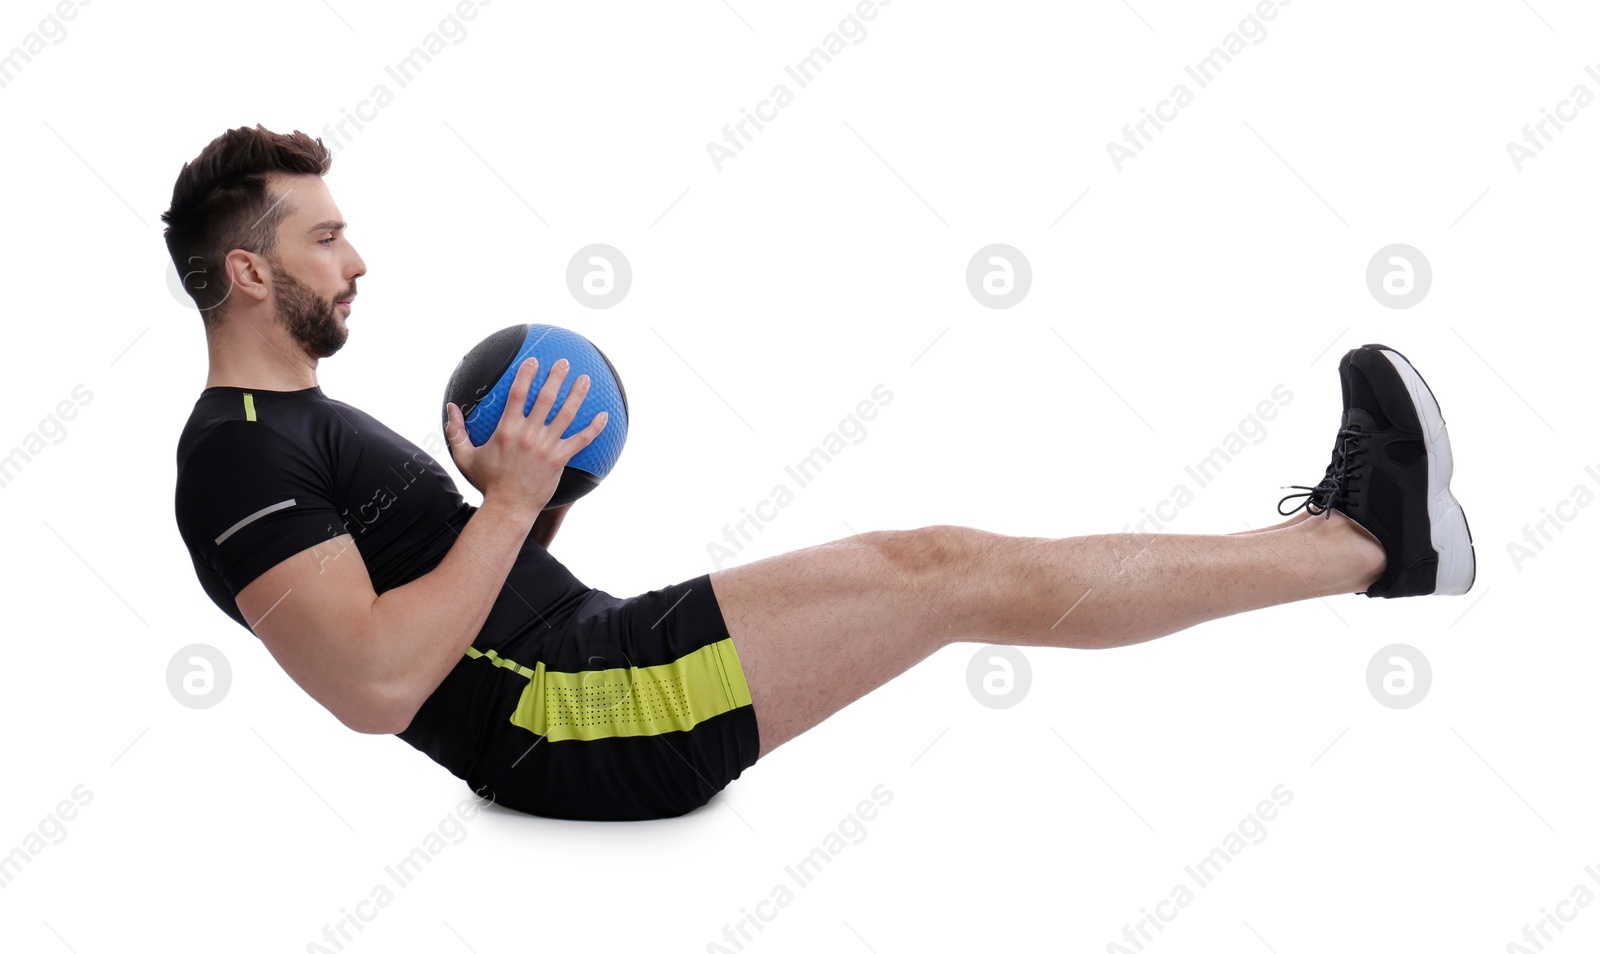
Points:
(263, 475)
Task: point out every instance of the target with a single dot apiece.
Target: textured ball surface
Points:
(481, 386)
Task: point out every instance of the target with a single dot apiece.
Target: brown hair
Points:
(221, 202)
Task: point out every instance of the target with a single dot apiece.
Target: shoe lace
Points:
(1336, 484)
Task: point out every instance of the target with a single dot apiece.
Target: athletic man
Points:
(402, 609)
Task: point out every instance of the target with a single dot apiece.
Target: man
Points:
(402, 609)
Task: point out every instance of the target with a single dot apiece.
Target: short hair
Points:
(220, 202)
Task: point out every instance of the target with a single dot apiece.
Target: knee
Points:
(928, 551)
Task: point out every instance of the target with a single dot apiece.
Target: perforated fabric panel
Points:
(585, 707)
(637, 700)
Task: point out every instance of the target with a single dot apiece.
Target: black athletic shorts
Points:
(629, 709)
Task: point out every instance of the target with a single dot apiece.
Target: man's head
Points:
(254, 231)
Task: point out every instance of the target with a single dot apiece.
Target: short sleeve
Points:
(248, 499)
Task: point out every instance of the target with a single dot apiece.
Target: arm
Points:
(373, 660)
(548, 522)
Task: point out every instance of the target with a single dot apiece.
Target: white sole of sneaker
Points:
(1452, 539)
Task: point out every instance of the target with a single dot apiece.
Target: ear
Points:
(247, 273)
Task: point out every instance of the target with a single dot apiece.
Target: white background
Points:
(767, 300)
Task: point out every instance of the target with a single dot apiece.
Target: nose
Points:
(358, 267)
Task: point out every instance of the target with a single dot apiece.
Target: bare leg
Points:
(1297, 518)
(818, 628)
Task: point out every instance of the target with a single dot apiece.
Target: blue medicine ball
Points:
(481, 386)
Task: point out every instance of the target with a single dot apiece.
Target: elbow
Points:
(379, 712)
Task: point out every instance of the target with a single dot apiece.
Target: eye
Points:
(327, 240)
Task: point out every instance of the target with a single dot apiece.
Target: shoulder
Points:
(228, 445)
(232, 464)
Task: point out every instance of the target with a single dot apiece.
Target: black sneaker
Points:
(1390, 473)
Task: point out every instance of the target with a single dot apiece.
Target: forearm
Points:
(425, 626)
(549, 521)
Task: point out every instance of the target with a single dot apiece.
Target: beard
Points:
(311, 320)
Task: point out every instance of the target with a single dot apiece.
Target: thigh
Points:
(818, 628)
(631, 709)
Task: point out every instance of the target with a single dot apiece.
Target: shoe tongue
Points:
(1361, 417)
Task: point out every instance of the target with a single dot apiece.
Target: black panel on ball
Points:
(480, 368)
(574, 484)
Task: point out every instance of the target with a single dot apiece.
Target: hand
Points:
(522, 461)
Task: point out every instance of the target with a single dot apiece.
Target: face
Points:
(314, 268)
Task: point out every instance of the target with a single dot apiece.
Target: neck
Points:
(242, 355)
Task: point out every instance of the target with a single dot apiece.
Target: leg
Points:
(818, 628)
(1297, 518)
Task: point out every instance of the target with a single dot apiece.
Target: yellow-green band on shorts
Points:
(612, 703)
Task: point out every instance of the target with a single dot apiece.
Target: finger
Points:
(586, 436)
(455, 430)
(460, 443)
(569, 407)
(547, 394)
(518, 397)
